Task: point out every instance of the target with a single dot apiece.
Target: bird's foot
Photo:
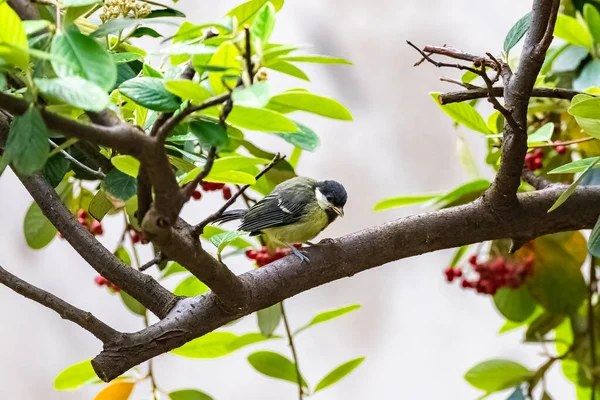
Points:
(299, 254)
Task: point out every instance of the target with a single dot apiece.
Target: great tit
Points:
(296, 211)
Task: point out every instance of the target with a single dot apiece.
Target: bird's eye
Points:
(329, 198)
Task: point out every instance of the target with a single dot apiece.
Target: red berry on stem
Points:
(96, 228)
(473, 260)
(251, 254)
(135, 238)
(197, 195)
(100, 280)
(227, 193)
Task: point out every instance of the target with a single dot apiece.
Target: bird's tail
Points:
(230, 215)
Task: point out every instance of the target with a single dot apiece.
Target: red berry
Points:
(135, 238)
(538, 152)
(457, 272)
(466, 284)
(227, 193)
(113, 287)
(251, 254)
(473, 260)
(449, 272)
(82, 213)
(82, 221)
(218, 186)
(205, 186)
(96, 228)
(197, 195)
(100, 280)
(561, 149)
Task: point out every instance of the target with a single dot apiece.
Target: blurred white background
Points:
(418, 333)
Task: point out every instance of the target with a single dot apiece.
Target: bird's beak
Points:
(338, 211)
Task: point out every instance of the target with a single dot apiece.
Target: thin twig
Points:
(294, 354)
(591, 324)
(158, 258)
(467, 86)
(442, 64)
(67, 311)
(537, 181)
(248, 54)
(190, 187)
(544, 44)
(199, 228)
(492, 99)
(567, 143)
(457, 54)
(97, 174)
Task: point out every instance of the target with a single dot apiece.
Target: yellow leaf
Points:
(13, 40)
(116, 391)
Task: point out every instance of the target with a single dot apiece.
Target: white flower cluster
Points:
(113, 9)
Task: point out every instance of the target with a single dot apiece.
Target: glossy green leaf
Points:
(305, 138)
(594, 240)
(289, 69)
(114, 26)
(126, 57)
(27, 145)
(263, 24)
(403, 201)
(126, 164)
(517, 32)
(309, 102)
(233, 177)
(221, 240)
(256, 95)
(165, 12)
(458, 255)
(572, 31)
(571, 189)
(246, 12)
(210, 231)
(592, 19)
(591, 126)
(226, 56)
(39, 232)
(150, 72)
(35, 25)
(145, 31)
(190, 287)
(189, 394)
(589, 76)
(514, 304)
(557, 283)
(328, 316)
(496, 122)
(120, 185)
(543, 324)
(13, 39)
(268, 319)
(188, 90)
(463, 113)
(338, 373)
(55, 169)
(237, 163)
(576, 166)
(132, 304)
(150, 93)
(466, 157)
(76, 91)
(473, 188)
(172, 269)
(275, 365)
(585, 106)
(317, 59)
(542, 135)
(75, 376)
(100, 205)
(87, 58)
(257, 119)
(496, 375)
(217, 344)
(209, 132)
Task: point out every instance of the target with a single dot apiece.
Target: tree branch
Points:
(480, 93)
(458, 54)
(67, 311)
(191, 186)
(348, 255)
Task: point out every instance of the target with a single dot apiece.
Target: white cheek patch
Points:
(322, 200)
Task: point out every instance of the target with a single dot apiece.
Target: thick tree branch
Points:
(348, 255)
(140, 286)
(480, 93)
(67, 311)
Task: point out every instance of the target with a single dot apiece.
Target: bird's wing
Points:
(270, 212)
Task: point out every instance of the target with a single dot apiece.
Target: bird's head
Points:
(331, 195)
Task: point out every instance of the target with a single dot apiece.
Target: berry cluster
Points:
(102, 281)
(211, 187)
(138, 237)
(263, 257)
(493, 274)
(534, 160)
(94, 227)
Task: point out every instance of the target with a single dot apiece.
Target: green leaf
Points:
(221, 240)
(469, 190)
(328, 316)
(150, 72)
(39, 232)
(588, 78)
(576, 166)
(35, 25)
(150, 93)
(76, 91)
(55, 169)
(188, 90)
(514, 304)
(275, 365)
(268, 319)
(466, 157)
(289, 69)
(403, 201)
(304, 101)
(226, 56)
(217, 344)
(497, 375)
(190, 287)
(126, 57)
(256, 95)
(257, 119)
(13, 34)
(100, 205)
(120, 185)
(338, 374)
(246, 12)
(210, 231)
(113, 26)
(209, 132)
(305, 138)
(263, 24)
(557, 283)
(165, 12)
(126, 164)
(591, 126)
(173, 268)
(458, 255)
(27, 143)
(132, 304)
(237, 163)
(463, 113)
(594, 240)
(233, 177)
(517, 32)
(572, 31)
(592, 19)
(189, 394)
(86, 57)
(317, 59)
(79, 3)
(571, 189)
(469, 77)
(543, 324)
(145, 31)
(542, 135)
(75, 376)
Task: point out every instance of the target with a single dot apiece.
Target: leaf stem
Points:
(293, 347)
(97, 174)
(567, 143)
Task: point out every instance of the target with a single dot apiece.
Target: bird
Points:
(296, 211)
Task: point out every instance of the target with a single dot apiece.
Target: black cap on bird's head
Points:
(332, 195)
